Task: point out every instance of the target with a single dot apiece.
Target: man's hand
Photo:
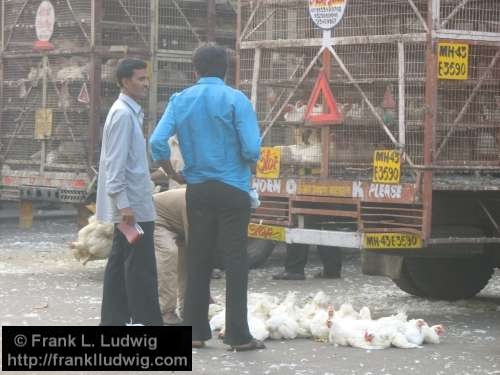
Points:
(127, 216)
(179, 178)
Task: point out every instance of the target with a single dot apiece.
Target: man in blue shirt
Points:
(124, 194)
(219, 140)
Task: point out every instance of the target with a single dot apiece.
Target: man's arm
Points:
(169, 170)
(248, 129)
(160, 150)
(117, 146)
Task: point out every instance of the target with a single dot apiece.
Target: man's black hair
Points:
(126, 68)
(210, 60)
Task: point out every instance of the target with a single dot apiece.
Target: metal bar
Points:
(462, 240)
(153, 82)
(402, 94)
(386, 223)
(325, 130)
(255, 77)
(179, 9)
(429, 123)
(322, 212)
(389, 215)
(467, 104)
(237, 77)
(336, 41)
(453, 12)
(436, 14)
(78, 21)
(3, 24)
(95, 82)
(419, 16)
(211, 14)
(45, 64)
(487, 212)
(292, 92)
(250, 19)
(471, 37)
(365, 98)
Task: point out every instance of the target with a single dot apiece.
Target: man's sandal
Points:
(197, 344)
(252, 345)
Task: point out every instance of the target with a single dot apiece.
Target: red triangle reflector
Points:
(330, 113)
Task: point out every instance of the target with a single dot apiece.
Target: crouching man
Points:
(170, 237)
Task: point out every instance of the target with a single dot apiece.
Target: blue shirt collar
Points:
(211, 80)
(131, 102)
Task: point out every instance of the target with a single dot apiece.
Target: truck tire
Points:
(447, 278)
(258, 251)
(406, 284)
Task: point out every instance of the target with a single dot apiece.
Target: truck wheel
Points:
(448, 278)
(406, 284)
(258, 251)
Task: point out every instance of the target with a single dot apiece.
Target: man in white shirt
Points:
(124, 194)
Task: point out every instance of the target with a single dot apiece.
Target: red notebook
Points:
(131, 232)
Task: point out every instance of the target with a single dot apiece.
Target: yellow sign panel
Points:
(268, 165)
(43, 123)
(453, 61)
(392, 241)
(266, 232)
(386, 166)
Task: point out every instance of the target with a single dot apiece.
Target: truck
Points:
(381, 133)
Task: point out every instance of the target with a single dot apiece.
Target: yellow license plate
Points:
(266, 232)
(392, 241)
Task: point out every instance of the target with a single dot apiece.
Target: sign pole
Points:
(326, 131)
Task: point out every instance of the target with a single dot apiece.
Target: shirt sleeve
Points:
(118, 142)
(248, 129)
(160, 150)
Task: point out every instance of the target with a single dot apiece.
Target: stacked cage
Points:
(379, 81)
(54, 100)
(182, 25)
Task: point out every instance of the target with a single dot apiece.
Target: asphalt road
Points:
(41, 284)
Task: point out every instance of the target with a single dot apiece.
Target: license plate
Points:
(392, 241)
(266, 232)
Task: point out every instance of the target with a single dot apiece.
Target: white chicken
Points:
(432, 335)
(93, 242)
(321, 323)
(346, 311)
(295, 113)
(258, 328)
(217, 322)
(365, 313)
(319, 302)
(282, 323)
(214, 309)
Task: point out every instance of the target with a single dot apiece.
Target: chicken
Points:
(93, 242)
(346, 311)
(282, 323)
(108, 70)
(295, 113)
(214, 309)
(218, 321)
(365, 313)
(349, 331)
(257, 328)
(433, 334)
(321, 323)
